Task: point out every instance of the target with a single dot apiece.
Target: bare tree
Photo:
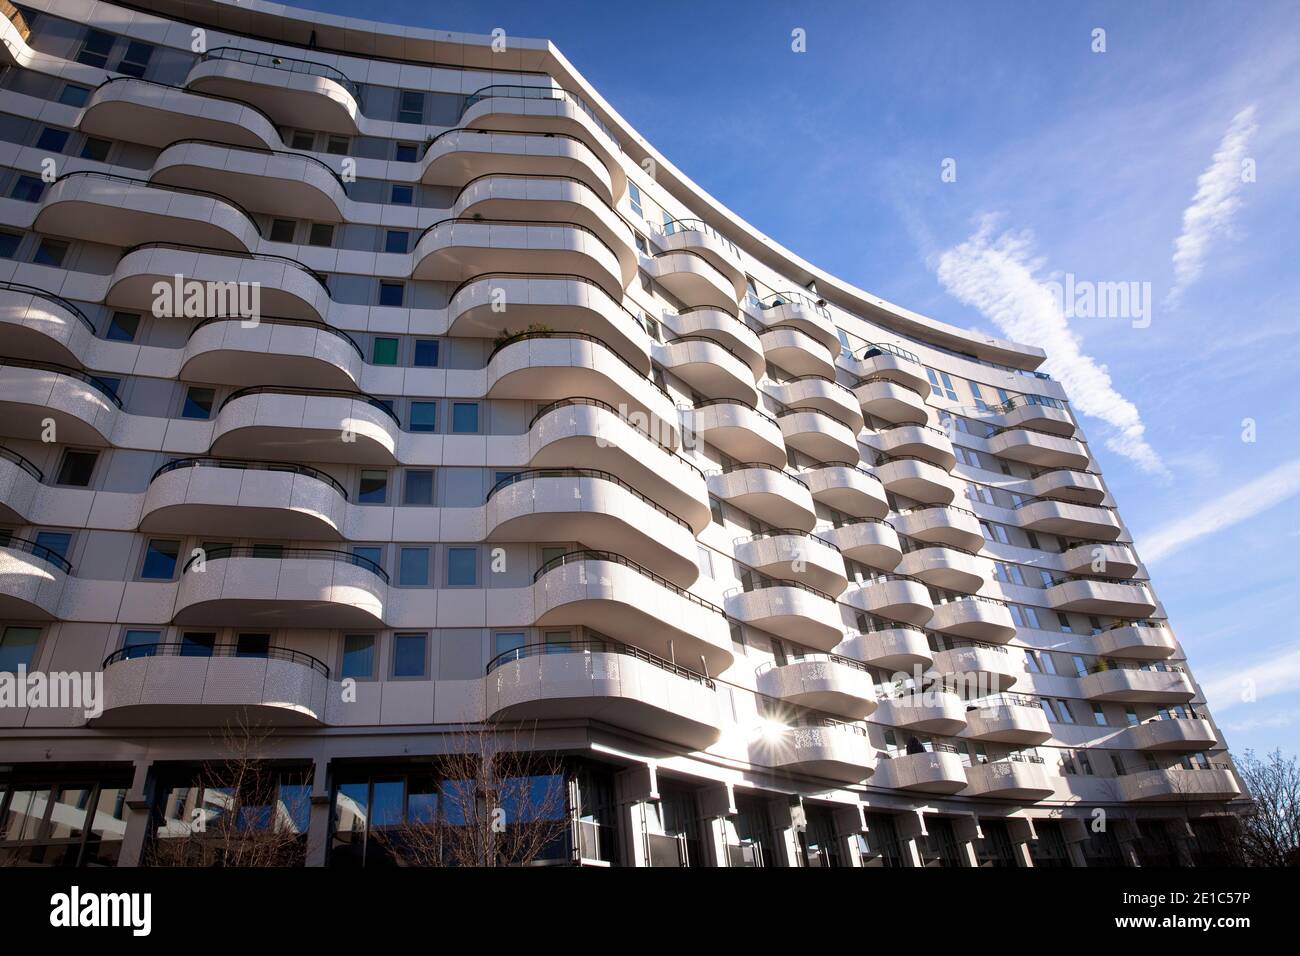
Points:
(499, 804)
(236, 814)
(1271, 833)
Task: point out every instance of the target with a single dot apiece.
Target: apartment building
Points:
(377, 386)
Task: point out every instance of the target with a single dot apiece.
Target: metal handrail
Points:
(237, 253)
(974, 597)
(709, 341)
(588, 554)
(760, 465)
(1004, 700)
(636, 319)
(237, 465)
(844, 464)
(671, 226)
(780, 583)
(733, 401)
(520, 92)
(606, 406)
(168, 187)
(1145, 622)
(872, 349)
(872, 379)
(99, 385)
(539, 176)
(596, 647)
(865, 519)
(813, 656)
(15, 543)
(259, 149)
(175, 649)
(782, 533)
(324, 554)
(303, 390)
(23, 462)
(531, 473)
(52, 297)
(471, 221)
(184, 89)
(581, 336)
(919, 508)
(1127, 582)
(283, 320)
(278, 62)
(794, 298)
(815, 378)
(1046, 401)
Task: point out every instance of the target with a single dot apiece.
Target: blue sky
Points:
(1100, 165)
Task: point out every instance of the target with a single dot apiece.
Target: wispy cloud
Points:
(1273, 674)
(998, 276)
(1236, 506)
(1216, 201)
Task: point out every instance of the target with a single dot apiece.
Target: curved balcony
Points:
(848, 488)
(976, 617)
(458, 156)
(550, 366)
(869, 540)
(285, 423)
(710, 369)
(32, 579)
(692, 280)
(545, 109)
(932, 712)
(790, 610)
(939, 772)
(797, 352)
(738, 430)
(766, 492)
(1039, 448)
(917, 441)
(1039, 412)
(1069, 520)
(818, 435)
(299, 352)
(614, 684)
(917, 479)
(895, 647)
(799, 311)
(893, 363)
(1018, 777)
(1109, 560)
(794, 554)
(827, 682)
(43, 327)
(281, 587)
(273, 181)
(944, 566)
(221, 497)
(1138, 640)
(941, 524)
(597, 508)
(819, 394)
(286, 287)
(84, 409)
(827, 749)
(1173, 735)
(495, 304)
(293, 92)
(701, 239)
(452, 250)
(588, 433)
(156, 114)
(20, 483)
(990, 667)
(886, 399)
(1095, 596)
(1179, 785)
(184, 685)
(722, 327)
(612, 595)
(1131, 685)
(121, 211)
(894, 597)
(1008, 719)
(1068, 484)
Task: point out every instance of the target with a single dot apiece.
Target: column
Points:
(318, 828)
(967, 830)
(139, 803)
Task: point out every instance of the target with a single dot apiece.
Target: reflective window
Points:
(358, 656)
(409, 655)
(160, 560)
(18, 647)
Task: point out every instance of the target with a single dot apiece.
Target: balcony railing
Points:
(587, 554)
(671, 226)
(280, 320)
(471, 221)
(97, 384)
(597, 647)
(872, 349)
(596, 474)
(827, 658)
(136, 651)
(229, 463)
(733, 401)
(606, 406)
(168, 187)
(514, 91)
(632, 316)
(1045, 401)
(580, 337)
(236, 253)
(846, 464)
(23, 462)
(211, 96)
(786, 298)
(277, 553)
(747, 465)
(785, 532)
(286, 63)
(303, 390)
(36, 550)
(58, 300)
(264, 150)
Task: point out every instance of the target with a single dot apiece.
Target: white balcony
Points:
(43, 327)
(692, 279)
(1138, 686)
(153, 114)
(869, 540)
(892, 363)
(894, 598)
(917, 479)
(823, 682)
(835, 751)
(797, 352)
(886, 399)
(290, 352)
(1008, 719)
(795, 612)
(85, 410)
(1173, 735)
(1068, 484)
(1040, 449)
(1140, 640)
(848, 488)
(709, 368)
(941, 772)
(287, 424)
(20, 486)
(798, 311)
(820, 394)
(1108, 560)
(973, 616)
(1121, 599)
(768, 493)
(992, 668)
(698, 237)
(724, 328)
(32, 580)
(1179, 785)
(794, 555)
(896, 649)
(941, 524)
(917, 441)
(738, 430)
(1036, 414)
(458, 156)
(1069, 520)
(1020, 779)
(818, 435)
(947, 567)
(292, 92)
(931, 712)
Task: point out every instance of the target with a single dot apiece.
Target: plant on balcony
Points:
(506, 335)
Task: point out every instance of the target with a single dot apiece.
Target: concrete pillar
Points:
(1126, 833)
(318, 828)
(139, 804)
(634, 787)
(849, 826)
(1075, 832)
(1180, 831)
(717, 802)
(967, 830)
(1022, 832)
(910, 826)
(789, 821)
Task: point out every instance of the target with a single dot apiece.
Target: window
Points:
(464, 418)
(1064, 622)
(253, 645)
(321, 234)
(50, 252)
(396, 240)
(197, 644)
(410, 107)
(140, 643)
(198, 403)
(302, 139)
(383, 351)
(941, 384)
(160, 560)
(337, 145)
(418, 489)
(634, 199)
(462, 567)
(55, 542)
(1130, 716)
(74, 95)
(27, 188)
(715, 510)
(705, 561)
(406, 152)
(9, 244)
(1031, 663)
(358, 656)
(426, 353)
(282, 230)
(1033, 540)
(136, 59)
(52, 140)
(642, 246)
(374, 487)
(1080, 668)
(122, 327)
(979, 399)
(1118, 765)
(503, 642)
(77, 468)
(401, 195)
(18, 648)
(1098, 715)
(1063, 712)
(391, 293)
(413, 567)
(424, 416)
(409, 654)
(94, 52)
